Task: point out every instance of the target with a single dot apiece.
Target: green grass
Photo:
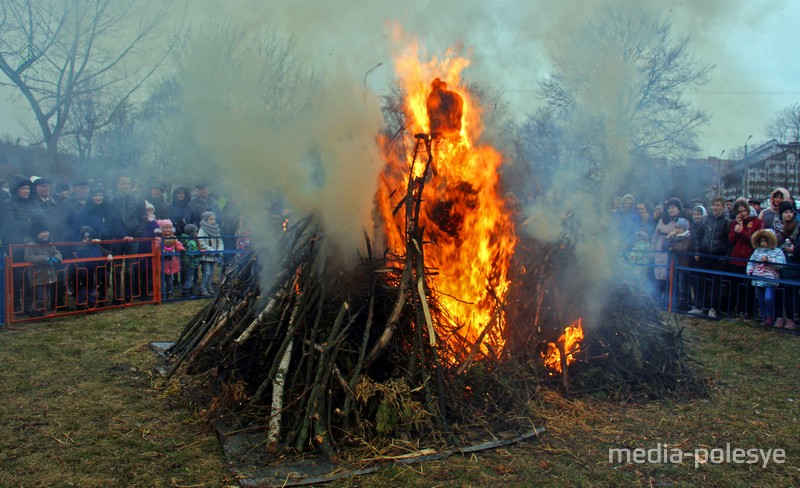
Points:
(80, 406)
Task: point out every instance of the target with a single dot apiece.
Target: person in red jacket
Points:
(740, 232)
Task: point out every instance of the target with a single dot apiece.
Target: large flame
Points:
(569, 342)
(470, 230)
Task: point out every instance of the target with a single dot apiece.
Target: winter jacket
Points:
(741, 246)
(131, 210)
(103, 219)
(171, 264)
(712, 235)
(179, 212)
(42, 272)
(766, 269)
(209, 244)
(16, 215)
(680, 244)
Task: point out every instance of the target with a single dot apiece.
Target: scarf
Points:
(211, 230)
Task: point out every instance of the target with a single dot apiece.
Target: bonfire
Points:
(439, 337)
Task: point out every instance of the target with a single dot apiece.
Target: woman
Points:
(665, 226)
(179, 212)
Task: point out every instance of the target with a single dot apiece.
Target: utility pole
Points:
(746, 167)
(719, 173)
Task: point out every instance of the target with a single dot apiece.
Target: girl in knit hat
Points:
(171, 248)
(765, 263)
(210, 242)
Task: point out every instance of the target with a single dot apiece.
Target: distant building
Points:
(761, 170)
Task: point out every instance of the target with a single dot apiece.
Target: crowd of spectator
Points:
(75, 221)
(725, 247)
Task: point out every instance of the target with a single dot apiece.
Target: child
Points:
(41, 277)
(210, 242)
(679, 241)
(170, 246)
(765, 263)
(91, 275)
(190, 260)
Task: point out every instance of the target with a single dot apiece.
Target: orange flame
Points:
(463, 212)
(570, 341)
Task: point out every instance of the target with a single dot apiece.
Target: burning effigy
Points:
(438, 337)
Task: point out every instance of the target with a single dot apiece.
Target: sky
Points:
(509, 43)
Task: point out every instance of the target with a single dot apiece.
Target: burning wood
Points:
(424, 342)
(561, 354)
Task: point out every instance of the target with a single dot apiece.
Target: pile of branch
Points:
(321, 356)
(638, 353)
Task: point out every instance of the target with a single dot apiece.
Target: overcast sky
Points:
(751, 43)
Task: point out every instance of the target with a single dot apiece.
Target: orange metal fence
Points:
(84, 279)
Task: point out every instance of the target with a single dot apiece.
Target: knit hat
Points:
(62, 187)
(21, 184)
(190, 229)
(206, 215)
(149, 205)
(784, 206)
(38, 226)
(95, 189)
(163, 223)
(682, 223)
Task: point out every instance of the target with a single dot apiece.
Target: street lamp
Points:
(719, 173)
(367, 74)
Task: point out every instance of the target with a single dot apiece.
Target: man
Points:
(756, 204)
(52, 215)
(711, 247)
(47, 209)
(74, 206)
(158, 199)
(204, 202)
(131, 210)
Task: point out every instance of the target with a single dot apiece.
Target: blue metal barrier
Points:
(180, 292)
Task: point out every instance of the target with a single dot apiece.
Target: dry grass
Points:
(80, 407)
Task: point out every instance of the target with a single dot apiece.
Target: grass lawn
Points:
(80, 406)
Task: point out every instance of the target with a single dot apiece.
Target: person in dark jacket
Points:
(203, 203)
(131, 210)
(711, 248)
(16, 215)
(179, 212)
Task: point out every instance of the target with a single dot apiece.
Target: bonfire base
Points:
(253, 466)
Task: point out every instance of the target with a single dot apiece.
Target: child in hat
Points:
(765, 262)
(190, 259)
(171, 261)
(41, 275)
(679, 242)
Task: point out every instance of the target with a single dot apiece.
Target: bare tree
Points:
(625, 77)
(58, 54)
(785, 127)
